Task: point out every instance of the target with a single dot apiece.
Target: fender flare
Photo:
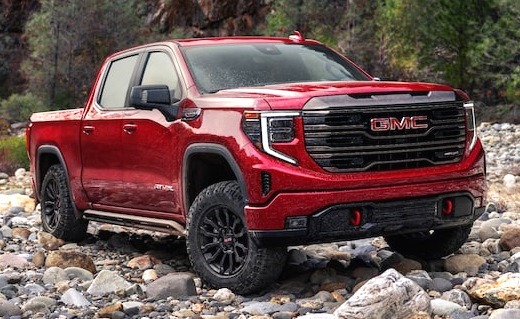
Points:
(211, 148)
(53, 150)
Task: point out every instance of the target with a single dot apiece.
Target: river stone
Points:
(442, 307)
(173, 285)
(462, 263)
(510, 238)
(143, 262)
(505, 314)
(224, 296)
(457, 296)
(107, 282)
(14, 261)
(65, 259)
(497, 293)
(80, 273)
(49, 242)
(54, 275)
(75, 298)
(8, 308)
(389, 292)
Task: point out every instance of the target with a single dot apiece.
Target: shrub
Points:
(13, 154)
(19, 107)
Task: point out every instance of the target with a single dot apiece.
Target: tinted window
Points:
(220, 67)
(160, 70)
(115, 89)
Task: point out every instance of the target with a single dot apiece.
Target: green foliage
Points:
(19, 107)
(13, 154)
(68, 40)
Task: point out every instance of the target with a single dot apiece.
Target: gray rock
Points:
(441, 284)
(457, 296)
(39, 304)
(132, 308)
(317, 316)
(80, 273)
(505, 314)
(75, 298)
(107, 282)
(389, 291)
(224, 296)
(4, 175)
(442, 307)
(173, 285)
(53, 275)
(268, 308)
(8, 308)
(33, 289)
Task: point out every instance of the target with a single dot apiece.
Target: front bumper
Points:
(390, 210)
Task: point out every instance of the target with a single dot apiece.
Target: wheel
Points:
(219, 246)
(57, 208)
(430, 245)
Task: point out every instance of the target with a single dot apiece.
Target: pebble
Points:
(126, 273)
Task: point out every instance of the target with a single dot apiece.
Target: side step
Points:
(154, 224)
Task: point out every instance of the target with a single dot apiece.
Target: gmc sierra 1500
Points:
(248, 144)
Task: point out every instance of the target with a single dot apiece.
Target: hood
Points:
(299, 94)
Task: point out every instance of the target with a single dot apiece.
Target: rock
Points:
(149, 275)
(505, 314)
(442, 307)
(317, 316)
(509, 180)
(390, 290)
(9, 309)
(510, 238)
(173, 285)
(38, 258)
(143, 262)
(74, 298)
(441, 284)
(107, 311)
(54, 275)
(132, 308)
(107, 282)
(267, 308)
(406, 265)
(49, 242)
(66, 259)
(496, 293)
(421, 277)
(39, 304)
(457, 296)
(224, 296)
(14, 261)
(80, 273)
(461, 263)
(22, 233)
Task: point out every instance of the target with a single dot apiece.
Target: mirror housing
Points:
(150, 97)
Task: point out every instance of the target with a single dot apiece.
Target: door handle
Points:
(129, 128)
(88, 129)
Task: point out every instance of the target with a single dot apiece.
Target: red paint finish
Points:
(132, 161)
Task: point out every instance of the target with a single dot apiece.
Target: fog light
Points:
(355, 217)
(296, 222)
(447, 206)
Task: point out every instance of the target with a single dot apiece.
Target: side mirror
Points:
(149, 97)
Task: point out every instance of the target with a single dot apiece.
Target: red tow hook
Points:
(355, 217)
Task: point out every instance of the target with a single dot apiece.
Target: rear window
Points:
(218, 67)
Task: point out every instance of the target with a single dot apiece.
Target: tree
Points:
(68, 40)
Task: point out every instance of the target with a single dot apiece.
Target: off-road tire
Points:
(57, 210)
(430, 245)
(220, 248)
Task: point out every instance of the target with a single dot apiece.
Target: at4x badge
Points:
(166, 188)
(395, 124)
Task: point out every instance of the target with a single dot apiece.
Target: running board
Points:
(155, 224)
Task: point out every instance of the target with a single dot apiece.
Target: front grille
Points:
(340, 139)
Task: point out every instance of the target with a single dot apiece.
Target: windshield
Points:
(219, 67)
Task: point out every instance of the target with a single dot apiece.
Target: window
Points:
(115, 89)
(160, 70)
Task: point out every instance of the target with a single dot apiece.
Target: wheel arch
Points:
(47, 156)
(205, 164)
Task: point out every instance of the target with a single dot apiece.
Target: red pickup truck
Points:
(246, 145)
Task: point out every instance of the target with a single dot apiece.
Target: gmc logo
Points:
(393, 124)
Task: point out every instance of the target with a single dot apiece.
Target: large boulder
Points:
(388, 293)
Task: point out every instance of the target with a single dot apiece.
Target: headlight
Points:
(471, 124)
(267, 128)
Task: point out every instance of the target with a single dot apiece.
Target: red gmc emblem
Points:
(393, 124)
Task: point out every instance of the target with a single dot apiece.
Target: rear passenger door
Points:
(149, 148)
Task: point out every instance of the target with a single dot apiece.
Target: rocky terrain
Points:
(126, 273)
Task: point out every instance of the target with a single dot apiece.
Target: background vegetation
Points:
(469, 44)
